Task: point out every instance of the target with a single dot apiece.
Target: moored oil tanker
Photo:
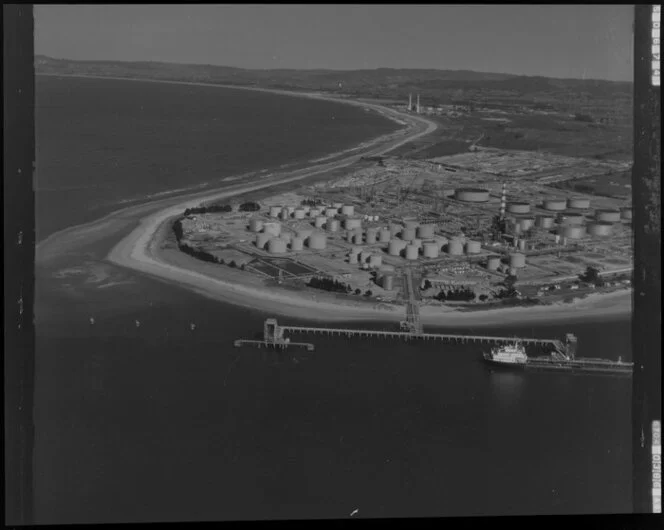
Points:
(513, 356)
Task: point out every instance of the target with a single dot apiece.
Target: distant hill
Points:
(381, 82)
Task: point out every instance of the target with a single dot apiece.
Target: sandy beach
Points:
(139, 251)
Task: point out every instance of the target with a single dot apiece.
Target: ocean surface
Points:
(142, 416)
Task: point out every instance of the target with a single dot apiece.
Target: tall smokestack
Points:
(410, 101)
(418, 103)
(503, 202)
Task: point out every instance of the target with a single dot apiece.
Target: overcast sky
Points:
(558, 41)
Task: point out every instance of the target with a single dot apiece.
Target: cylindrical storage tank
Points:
(555, 205)
(375, 260)
(330, 212)
(518, 207)
(610, 216)
(517, 261)
(411, 224)
(408, 234)
(306, 209)
(384, 235)
(351, 223)
(371, 236)
(571, 219)
(349, 236)
(297, 243)
(337, 205)
(332, 225)
(272, 228)
(299, 213)
(430, 249)
(395, 247)
(284, 214)
(580, 203)
(417, 243)
(425, 231)
(317, 241)
(455, 247)
(320, 221)
(412, 252)
(493, 263)
(275, 211)
(357, 238)
(573, 232)
(314, 212)
(522, 244)
(286, 236)
(276, 246)
(388, 282)
(395, 229)
(473, 247)
(471, 195)
(348, 209)
(545, 221)
(262, 239)
(600, 229)
(255, 225)
(626, 212)
(526, 223)
(352, 258)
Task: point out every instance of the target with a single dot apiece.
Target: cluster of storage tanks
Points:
(515, 261)
(300, 212)
(276, 242)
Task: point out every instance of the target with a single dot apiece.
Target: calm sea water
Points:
(164, 423)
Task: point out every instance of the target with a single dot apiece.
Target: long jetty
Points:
(445, 337)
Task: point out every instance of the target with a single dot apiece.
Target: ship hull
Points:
(569, 366)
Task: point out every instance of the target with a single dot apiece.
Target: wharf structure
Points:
(274, 335)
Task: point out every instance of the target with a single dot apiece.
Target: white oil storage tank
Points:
(492, 263)
(372, 234)
(337, 205)
(526, 223)
(297, 243)
(384, 235)
(573, 232)
(317, 241)
(352, 258)
(473, 247)
(517, 260)
(518, 207)
(320, 221)
(284, 214)
(357, 237)
(412, 252)
(348, 209)
(375, 260)
(330, 212)
(388, 282)
(275, 211)
(430, 249)
(351, 223)
(255, 225)
(276, 246)
(579, 203)
(395, 247)
(611, 216)
(314, 212)
(425, 231)
(299, 213)
(408, 234)
(600, 229)
(455, 247)
(332, 225)
(555, 205)
(417, 242)
(286, 236)
(545, 221)
(471, 195)
(395, 229)
(262, 239)
(411, 224)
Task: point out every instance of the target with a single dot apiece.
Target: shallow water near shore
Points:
(141, 416)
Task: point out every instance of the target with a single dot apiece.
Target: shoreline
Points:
(138, 249)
